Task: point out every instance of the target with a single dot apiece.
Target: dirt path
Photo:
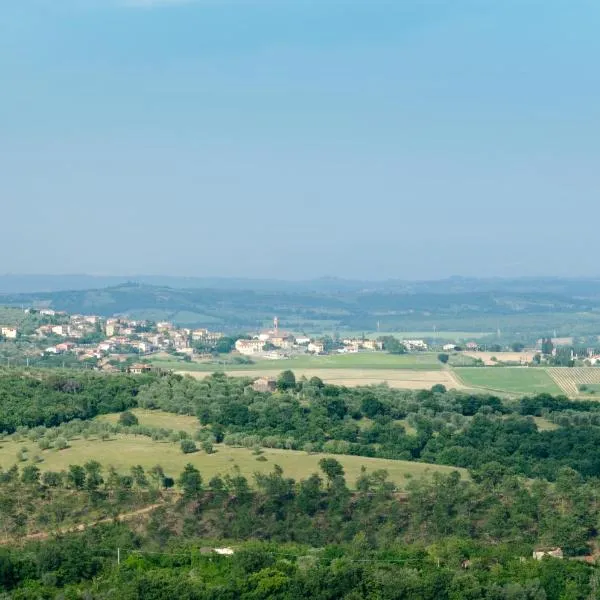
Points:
(44, 535)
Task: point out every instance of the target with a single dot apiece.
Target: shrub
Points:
(188, 446)
(128, 419)
(208, 447)
(61, 443)
(443, 357)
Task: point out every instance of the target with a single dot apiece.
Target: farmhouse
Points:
(139, 368)
(65, 347)
(284, 340)
(372, 345)
(62, 330)
(316, 347)
(264, 384)
(10, 333)
(414, 344)
(249, 347)
(540, 553)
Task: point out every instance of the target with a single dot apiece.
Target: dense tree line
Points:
(40, 397)
(437, 426)
(443, 538)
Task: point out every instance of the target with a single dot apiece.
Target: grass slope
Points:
(123, 452)
(511, 380)
(158, 418)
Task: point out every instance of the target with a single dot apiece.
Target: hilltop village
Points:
(115, 343)
(120, 343)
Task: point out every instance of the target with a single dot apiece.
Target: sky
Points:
(293, 139)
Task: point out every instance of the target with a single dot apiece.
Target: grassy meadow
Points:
(510, 380)
(125, 451)
(158, 418)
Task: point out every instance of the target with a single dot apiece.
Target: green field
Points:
(125, 451)
(426, 361)
(418, 335)
(589, 388)
(511, 380)
(158, 418)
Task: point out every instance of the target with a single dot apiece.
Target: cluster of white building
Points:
(275, 343)
(116, 335)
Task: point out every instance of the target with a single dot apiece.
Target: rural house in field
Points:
(264, 384)
(540, 553)
(248, 347)
(373, 345)
(415, 344)
(10, 333)
(139, 368)
(316, 347)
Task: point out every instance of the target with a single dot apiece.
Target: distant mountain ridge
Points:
(23, 284)
(521, 307)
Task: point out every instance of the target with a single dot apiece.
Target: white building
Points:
(316, 347)
(249, 347)
(10, 333)
(414, 344)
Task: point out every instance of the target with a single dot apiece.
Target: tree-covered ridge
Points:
(39, 397)
(443, 539)
(438, 426)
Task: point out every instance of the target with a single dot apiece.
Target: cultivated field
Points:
(510, 380)
(569, 379)
(401, 379)
(513, 357)
(425, 361)
(125, 451)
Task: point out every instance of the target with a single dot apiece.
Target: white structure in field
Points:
(249, 347)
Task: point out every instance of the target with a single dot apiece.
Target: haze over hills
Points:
(524, 306)
(576, 286)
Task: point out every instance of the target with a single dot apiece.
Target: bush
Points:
(208, 447)
(61, 443)
(443, 357)
(188, 446)
(44, 444)
(128, 419)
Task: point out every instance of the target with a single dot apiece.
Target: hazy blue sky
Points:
(300, 138)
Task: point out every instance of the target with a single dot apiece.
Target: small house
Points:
(540, 553)
(264, 384)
